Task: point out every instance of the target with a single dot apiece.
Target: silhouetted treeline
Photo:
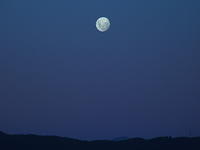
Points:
(34, 142)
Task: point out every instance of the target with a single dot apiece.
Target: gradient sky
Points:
(60, 76)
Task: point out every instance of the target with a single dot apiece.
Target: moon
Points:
(103, 24)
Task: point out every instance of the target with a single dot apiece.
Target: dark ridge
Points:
(120, 138)
(36, 142)
(2, 133)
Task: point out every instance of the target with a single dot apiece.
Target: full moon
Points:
(103, 24)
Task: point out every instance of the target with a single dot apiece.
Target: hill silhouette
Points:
(120, 138)
(35, 142)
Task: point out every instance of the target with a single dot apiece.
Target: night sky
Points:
(60, 76)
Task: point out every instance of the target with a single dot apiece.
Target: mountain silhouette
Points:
(2, 133)
(120, 138)
(35, 142)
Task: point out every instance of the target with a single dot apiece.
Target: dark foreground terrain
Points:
(34, 142)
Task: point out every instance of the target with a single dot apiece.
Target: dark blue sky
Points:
(60, 76)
